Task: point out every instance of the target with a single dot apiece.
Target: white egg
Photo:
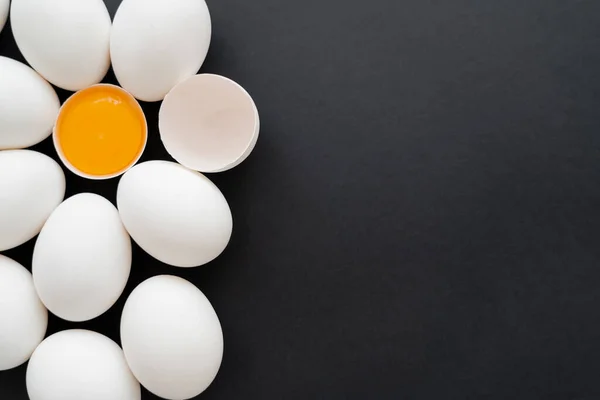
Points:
(155, 44)
(32, 185)
(66, 41)
(23, 318)
(80, 365)
(4, 5)
(82, 258)
(171, 337)
(176, 215)
(28, 106)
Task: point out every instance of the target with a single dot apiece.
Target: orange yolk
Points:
(101, 130)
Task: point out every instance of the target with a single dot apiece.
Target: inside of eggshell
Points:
(208, 122)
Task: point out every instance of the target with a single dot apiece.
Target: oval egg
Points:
(80, 365)
(4, 6)
(66, 41)
(23, 317)
(82, 258)
(28, 106)
(171, 337)
(156, 44)
(32, 185)
(176, 215)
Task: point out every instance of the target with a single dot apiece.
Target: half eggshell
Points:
(209, 123)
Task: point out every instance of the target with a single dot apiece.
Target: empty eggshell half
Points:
(209, 123)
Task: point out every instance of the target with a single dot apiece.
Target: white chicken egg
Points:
(66, 41)
(82, 258)
(4, 5)
(80, 365)
(176, 215)
(28, 106)
(155, 44)
(171, 337)
(32, 185)
(23, 318)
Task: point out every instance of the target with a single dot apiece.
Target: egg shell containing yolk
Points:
(65, 41)
(32, 185)
(155, 44)
(82, 258)
(28, 106)
(23, 317)
(100, 132)
(176, 215)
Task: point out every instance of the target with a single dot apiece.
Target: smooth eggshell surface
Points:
(82, 258)
(171, 337)
(23, 317)
(176, 215)
(4, 6)
(32, 185)
(209, 123)
(80, 365)
(156, 44)
(28, 106)
(66, 41)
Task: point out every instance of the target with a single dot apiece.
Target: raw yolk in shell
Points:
(101, 130)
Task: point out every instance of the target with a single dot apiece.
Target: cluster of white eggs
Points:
(171, 338)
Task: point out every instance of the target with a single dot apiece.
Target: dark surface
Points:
(421, 216)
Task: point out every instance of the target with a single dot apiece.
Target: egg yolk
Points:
(101, 130)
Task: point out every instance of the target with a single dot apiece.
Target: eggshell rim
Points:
(251, 143)
(82, 174)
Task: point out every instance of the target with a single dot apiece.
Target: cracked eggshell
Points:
(82, 258)
(172, 337)
(209, 123)
(155, 44)
(176, 215)
(23, 317)
(28, 106)
(32, 185)
(80, 365)
(65, 41)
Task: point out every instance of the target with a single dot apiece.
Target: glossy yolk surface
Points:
(101, 130)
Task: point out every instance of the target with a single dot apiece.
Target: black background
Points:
(421, 216)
